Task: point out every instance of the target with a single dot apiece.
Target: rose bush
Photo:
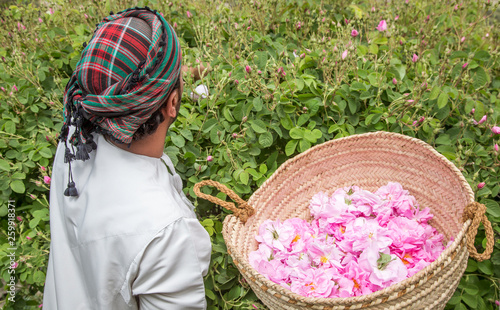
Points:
(285, 75)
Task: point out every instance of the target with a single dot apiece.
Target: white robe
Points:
(129, 241)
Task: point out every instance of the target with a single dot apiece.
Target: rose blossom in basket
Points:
(357, 242)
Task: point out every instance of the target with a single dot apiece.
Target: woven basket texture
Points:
(367, 160)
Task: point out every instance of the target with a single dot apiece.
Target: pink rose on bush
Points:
(382, 26)
(344, 54)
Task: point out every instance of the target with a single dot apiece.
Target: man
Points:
(124, 235)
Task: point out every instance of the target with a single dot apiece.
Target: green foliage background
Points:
(252, 122)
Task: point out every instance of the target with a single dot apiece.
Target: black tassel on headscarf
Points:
(71, 190)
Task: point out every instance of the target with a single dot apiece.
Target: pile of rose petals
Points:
(358, 242)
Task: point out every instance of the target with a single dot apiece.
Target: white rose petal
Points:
(200, 90)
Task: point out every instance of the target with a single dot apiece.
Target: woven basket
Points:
(368, 161)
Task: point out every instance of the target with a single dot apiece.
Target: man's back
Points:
(130, 233)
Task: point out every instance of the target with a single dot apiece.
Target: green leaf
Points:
(209, 124)
(253, 173)
(42, 76)
(399, 70)
(317, 134)
(342, 105)
(234, 293)
(365, 95)
(373, 48)
(39, 277)
(300, 84)
(4, 210)
(353, 106)
(227, 114)
(17, 186)
(358, 12)
(74, 61)
(479, 77)
(333, 128)
(443, 139)
(460, 306)
(290, 147)
(286, 122)
(257, 104)
(350, 129)
(45, 152)
(244, 176)
(376, 118)
(492, 207)
(380, 41)
(454, 300)
(486, 267)
(470, 300)
(214, 136)
(261, 59)
(302, 119)
(484, 286)
(10, 127)
(4, 165)
(368, 119)
(289, 108)
(210, 294)
(313, 106)
(482, 56)
(442, 100)
(304, 145)
(266, 139)
(495, 258)
(258, 126)
(481, 305)
(480, 111)
(357, 86)
(471, 265)
(207, 222)
(178, 140)
(19, 176)
(434, 92)
(383, 260)
(309, 136)
(186, 133)
(472, 290)
(458, 54)
(362, 50)
(296, 133)
(374, 79)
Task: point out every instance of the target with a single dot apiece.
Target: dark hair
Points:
(150, 126)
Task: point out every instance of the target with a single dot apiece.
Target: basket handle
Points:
(243, 211)
(476, 212)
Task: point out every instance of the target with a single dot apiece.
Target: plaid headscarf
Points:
(126, 72)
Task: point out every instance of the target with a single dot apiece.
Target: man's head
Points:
(126, 80)
(127, 71)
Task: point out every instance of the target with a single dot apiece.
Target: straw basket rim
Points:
(381, 296)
